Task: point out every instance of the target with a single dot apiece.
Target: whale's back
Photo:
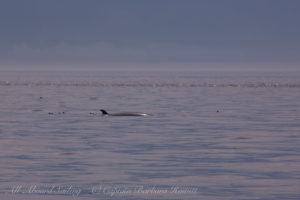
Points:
(124, 113)
(129, 114)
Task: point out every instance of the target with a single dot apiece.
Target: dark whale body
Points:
(124, 113)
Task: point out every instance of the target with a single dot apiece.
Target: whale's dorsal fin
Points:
(104, 112)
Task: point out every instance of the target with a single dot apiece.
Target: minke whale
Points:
(124, 113)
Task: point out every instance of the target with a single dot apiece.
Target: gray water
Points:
(211, 135)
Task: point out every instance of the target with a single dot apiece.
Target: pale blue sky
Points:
(48, 34)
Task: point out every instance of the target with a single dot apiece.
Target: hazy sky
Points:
(149, 33)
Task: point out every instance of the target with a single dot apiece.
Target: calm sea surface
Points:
(211, 136)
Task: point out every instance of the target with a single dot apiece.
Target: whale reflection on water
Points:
(124, 113)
